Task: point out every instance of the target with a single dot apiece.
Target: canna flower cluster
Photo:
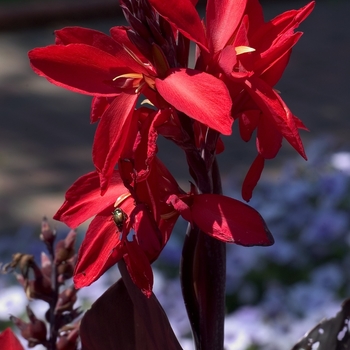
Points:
(142, 87)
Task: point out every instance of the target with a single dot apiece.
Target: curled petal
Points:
(181, 207)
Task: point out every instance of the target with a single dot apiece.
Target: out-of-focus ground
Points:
(46, 138)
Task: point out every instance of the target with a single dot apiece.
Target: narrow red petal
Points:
(230, 220)
(148, 236)
(264, 36)
(274, 54)
(199, 95)
(248, 121)
(252, 177)
(139, 267)
(268, 138)
(255, 14)
(111, 135)
(147, 148)
(101, 249)
(222, 19)
(276, 110)
(184, 16)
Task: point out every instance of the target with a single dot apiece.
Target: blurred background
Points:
(46, 139)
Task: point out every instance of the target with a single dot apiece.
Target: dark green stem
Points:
(203, 266)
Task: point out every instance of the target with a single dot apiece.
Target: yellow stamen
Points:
(150, 82)
(139, 88)
(133, 56)
(121, 199)
(147, 101)
(243, 49)
(129, 75)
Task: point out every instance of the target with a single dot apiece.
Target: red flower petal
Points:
(274, 108)
(111, 134)
(83, 68)
(84, 200)
(79, 35)
(199, 95)
(98, 106)
(222, 19)
(119, 34)
(230, 220)
(9, 341)
(265, 35)
(248, 121)
(101, 249)
(139, 267)
(148, 236)
(252, 177)
(268, 138)
(255, 14)
(271, 57)
(147, 148)
(184, 16)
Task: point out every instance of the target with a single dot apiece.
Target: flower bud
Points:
(47, 235)
(66, 299)
(34, 331)
(65, 248)
(46, 266)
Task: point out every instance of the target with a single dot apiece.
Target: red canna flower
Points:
(9, 341)
(134, 219)
(137, 232)
(113, 70)
(249, 55)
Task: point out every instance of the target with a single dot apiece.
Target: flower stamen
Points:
(243, 49)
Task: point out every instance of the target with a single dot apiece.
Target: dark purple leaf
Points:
(332, 334)
(123, 318)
